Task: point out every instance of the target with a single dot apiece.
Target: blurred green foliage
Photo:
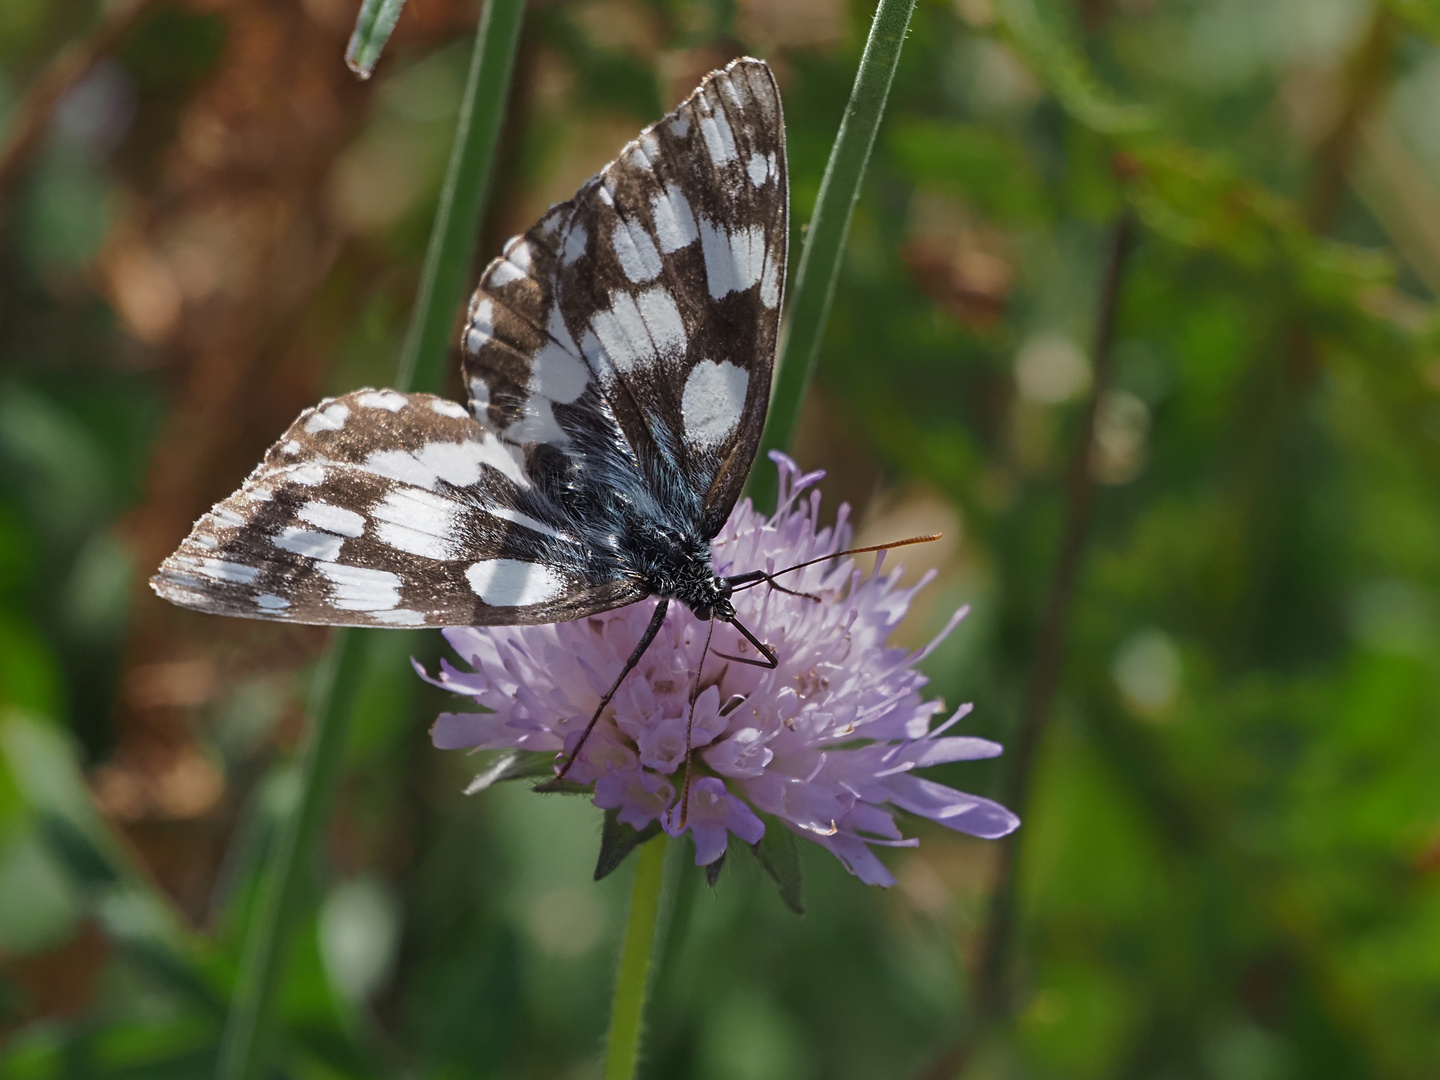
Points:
(1230, 866)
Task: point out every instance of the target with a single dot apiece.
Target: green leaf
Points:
(779, 853)
(617, 840)
(373, 27)
(513, 765)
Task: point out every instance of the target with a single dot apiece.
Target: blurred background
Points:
(1230, 862)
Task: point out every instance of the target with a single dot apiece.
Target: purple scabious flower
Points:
(826, 743)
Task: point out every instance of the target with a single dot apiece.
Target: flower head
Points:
(826, 743)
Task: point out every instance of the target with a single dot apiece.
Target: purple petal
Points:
(743, 822)
(465, 731)
(709, 843)
(954, 748)
(858, 859)
(954, 809)
(988, 820)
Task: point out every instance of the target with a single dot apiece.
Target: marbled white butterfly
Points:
(618, 360)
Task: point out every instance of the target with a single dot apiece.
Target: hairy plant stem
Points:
(638, 961)
(820, 255)
(245, 1045)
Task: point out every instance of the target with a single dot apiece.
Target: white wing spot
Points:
(335, 519)
(311, 545)
(456, 463)
(291, 448)
(502, 273)
(360, 588)
(640, 329)
(329, 418)
(307, 475)
(482, 325)
(389, 400)
(518, 252)
(622, 334)
(635, 251)
(680, 126)
(450, 408)
(758, 168)
(419, 522)
(674, 222)
(271, 602)
(219, 569)
(713, 403)
(513, 583)
(662, 319)
(719, 141)
(537, 423)
(733, 260)
(770, 283)
(558, 375)
(576, 240)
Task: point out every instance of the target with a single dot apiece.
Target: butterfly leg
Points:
(754, 577)
(771, 661)
(656, 621)
(690, 725)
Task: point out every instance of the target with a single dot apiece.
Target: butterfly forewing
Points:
(388, 509)
(650, 302)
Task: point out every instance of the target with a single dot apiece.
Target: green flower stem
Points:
(819, 270)
(244, 1049)
(637, 961)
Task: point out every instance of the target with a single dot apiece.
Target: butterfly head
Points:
(712, 603)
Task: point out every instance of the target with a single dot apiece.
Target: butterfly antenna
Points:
(656, 621)
(747, 581)
(690, 725)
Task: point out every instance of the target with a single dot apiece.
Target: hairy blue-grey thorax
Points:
(675, 564)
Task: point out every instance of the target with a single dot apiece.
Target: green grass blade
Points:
(373, 27)
(467, 180)
(814, 287)
(244, 1051)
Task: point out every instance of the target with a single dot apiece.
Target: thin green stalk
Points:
(467, 180)
(282, 892)
(244, 1049)
(819, 270)
(637, 962)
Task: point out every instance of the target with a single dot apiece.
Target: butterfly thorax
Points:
(677, 567)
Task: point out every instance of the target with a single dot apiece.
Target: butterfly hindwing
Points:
(648, 305)
(387, 509)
